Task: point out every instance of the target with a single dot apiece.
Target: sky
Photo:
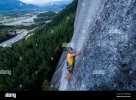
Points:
(40, 2)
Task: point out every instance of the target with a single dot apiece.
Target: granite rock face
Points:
(105, 32)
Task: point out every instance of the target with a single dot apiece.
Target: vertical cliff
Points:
(105, 32)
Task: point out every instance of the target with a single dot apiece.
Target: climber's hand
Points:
(79, 52)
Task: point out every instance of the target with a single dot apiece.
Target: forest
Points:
(4, 33)
(33, 61)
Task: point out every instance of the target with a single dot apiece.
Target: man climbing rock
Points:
(70, 62)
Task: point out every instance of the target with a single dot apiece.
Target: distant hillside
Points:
(15, 5)
(56, 4)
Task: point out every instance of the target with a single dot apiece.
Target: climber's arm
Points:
(76, 54)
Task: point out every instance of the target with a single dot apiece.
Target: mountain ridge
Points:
(15, 5)
(19, 5)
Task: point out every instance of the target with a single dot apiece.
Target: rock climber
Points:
(70, 61)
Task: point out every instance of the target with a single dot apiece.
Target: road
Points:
(9, 42)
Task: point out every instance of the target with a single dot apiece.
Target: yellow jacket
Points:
(70, 59)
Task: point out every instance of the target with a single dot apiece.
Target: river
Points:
(24, 21)
(9, 42)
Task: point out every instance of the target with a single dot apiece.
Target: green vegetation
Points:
(5, 36)
(33, 61)
(4, 33)
(45, 16)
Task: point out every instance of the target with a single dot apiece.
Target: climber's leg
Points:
(69, 73)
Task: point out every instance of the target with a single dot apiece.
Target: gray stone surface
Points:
(105, 31)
